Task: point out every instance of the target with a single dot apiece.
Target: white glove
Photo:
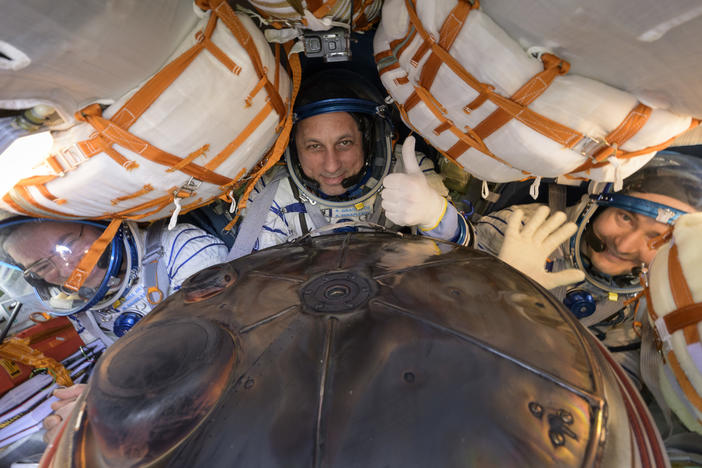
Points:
(408, 200)
(528, 249)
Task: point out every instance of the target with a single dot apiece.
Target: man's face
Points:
(52, 250)
(330, 149)
(626, 234)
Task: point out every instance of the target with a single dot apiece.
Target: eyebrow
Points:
(340, 137)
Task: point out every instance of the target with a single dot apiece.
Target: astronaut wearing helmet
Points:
(339, 158)
(613, 242)
(136, 270)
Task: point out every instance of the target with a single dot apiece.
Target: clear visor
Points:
(378, 153)
(47, 252)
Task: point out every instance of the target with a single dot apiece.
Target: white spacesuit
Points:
(138, 269)
(289, 202)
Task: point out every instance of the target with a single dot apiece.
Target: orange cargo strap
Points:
(227, 15)
(553, 130)
(678, 285)
(553, 66)
(240, 138)
(632, 123)
(115, 134)
(143, 191)
(281, 143)
(159, 203)
(21, 191)
(90, 259)
(685, 317)
(447, 35)
(202, 151)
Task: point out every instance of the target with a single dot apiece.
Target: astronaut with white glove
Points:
(409, 199)
(527, 249)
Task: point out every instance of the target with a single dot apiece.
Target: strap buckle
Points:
(588, 146)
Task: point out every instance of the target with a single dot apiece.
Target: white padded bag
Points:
(190, 133)
(675, 311)
(471, 91)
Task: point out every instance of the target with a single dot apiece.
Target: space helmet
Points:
(669, 173)
(338, 90)
(45, 252)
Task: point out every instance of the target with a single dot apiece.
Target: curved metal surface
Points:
(355, 350)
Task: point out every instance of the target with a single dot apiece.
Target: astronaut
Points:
(613, 243)
(338, 160)
(137, 270)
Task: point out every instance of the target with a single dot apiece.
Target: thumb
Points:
(409, 159)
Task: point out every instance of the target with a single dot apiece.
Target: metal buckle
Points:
(189, 187)
(587, 146)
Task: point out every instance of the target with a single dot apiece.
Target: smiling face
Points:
(626, 235)
(330, 149)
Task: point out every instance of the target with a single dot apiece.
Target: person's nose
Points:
(631, 244)
(332, 162)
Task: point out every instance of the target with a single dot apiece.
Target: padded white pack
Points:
(687, 235)
(205, 105)
(488, 53)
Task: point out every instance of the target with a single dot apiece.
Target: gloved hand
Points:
(408, 200)
(62, 409)
(527, 249)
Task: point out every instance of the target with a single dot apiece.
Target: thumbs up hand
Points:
(408, 200)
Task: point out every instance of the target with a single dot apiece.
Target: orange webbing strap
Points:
(632, 123)
(282, 141)
(190, 158)
(676, 279)
(241, 137)
(115, 134)
(447, 36)
(467, 139)
(152, 89)
(440, 52)
(560, 133)
(647, 292)
(630, 154)
(630, 126)
(91, 257)
(22, 192)
(18, 350)
(227, 15)
(159, 204)
(143, 191)
(532, 89)
(685, 317)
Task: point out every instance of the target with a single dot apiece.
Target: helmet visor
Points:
(46, 252)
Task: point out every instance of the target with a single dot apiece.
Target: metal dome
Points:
(359, 350)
